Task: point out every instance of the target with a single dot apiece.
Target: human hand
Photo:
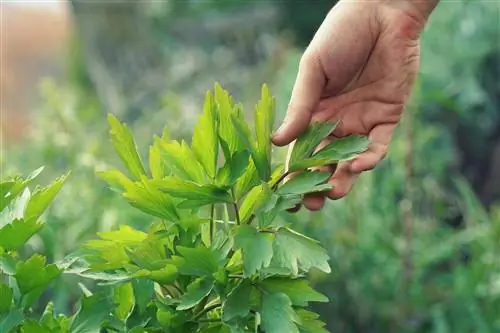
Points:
(359, 68)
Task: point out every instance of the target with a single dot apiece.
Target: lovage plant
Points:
(220, 258)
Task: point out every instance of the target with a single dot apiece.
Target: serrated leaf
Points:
(182, 161)
(59, 324)
(247, 181)
(165, 275)
(125, 146)
(277, 314)
(298, 253)
(205, 143)
(230, 139)
(264, 123)
(195, 292)
(143, 291)
(205, 194)
(17, 233)
(10, 189)
(31, 326)
(94, 310)
(256, 198)
(256, 247)
(41, 198)
(116, 179)
(309, 323)
(123, 297)
(305, 182)
(33, 276)
(151, 200)
(233, 169)
(9, 320)
(5, 298)
(238, 302)
(307, 142)
(157, 165)
(298, 290)
(199, 261)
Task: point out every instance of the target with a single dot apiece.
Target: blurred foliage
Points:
(442, 277)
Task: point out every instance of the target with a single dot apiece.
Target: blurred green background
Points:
(415, 247)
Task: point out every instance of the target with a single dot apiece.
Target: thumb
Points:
(306, 93)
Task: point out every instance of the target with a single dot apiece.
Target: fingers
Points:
(342, 181)
(380, 137)
(306, 93)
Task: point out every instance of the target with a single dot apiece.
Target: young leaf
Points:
(116, 180)
(238, 302)
(182, 161)
(41, 198)
(124, 299)
(247, 181)
(277, 314)
(297, 252)
(10, 189)
(233, 169)
(158, 167)
(165, 275)
(264, 123)
(256, 248)
(125, 146)
(5, 298)
(92, 313)
(205, 194)
(33, 277)
(17, 233)
(298, 290)
(200, 261)
(258, 197)
(205, 137)
(306, 182)
(307, 142)
(344, 148)
(309, 323)
(196, 291)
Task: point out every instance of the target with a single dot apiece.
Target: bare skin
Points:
(359, 68)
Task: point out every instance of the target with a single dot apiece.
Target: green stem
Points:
(282, 177)
(212, 224)
(235, 206)
(206, 310)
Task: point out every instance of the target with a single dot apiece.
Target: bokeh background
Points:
(415, 247)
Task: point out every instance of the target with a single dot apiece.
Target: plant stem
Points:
(212, 224)
(282, 177)
(235, 206)
(206, 310)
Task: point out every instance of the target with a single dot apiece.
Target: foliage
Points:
(198, 268)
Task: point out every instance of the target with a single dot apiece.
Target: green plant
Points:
(218, 259)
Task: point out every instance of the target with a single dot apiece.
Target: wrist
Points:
(424, 7)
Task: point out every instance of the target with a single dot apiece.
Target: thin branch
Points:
(282, 177)
(212, 224)
(235, 206)
(206, 310)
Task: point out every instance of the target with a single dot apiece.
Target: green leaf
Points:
(305, 182)
(297, 252)
(205, 142)
(10, 189)
(182, 161)
(247, 181)
(338, 150)
(233, 168)
(123, 297)
(344, 148)
(307, 142)
(125, 146)
(298, 290)
(195, 292)
(157, 166)
(10, 320)
(230, 139)
(94, 310)
(277, 314)
(41, 198)
(33, 277)
(238, 302)
(31, 326)
(146, 197)
(115, 179)
(143, 291)
(256, 198)
(17, 233)
(199, 261)
(309, 323)
(59, 324)
(5, 298)
(165, 275)
(256, 247)
(264, 123)
(204, 194)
